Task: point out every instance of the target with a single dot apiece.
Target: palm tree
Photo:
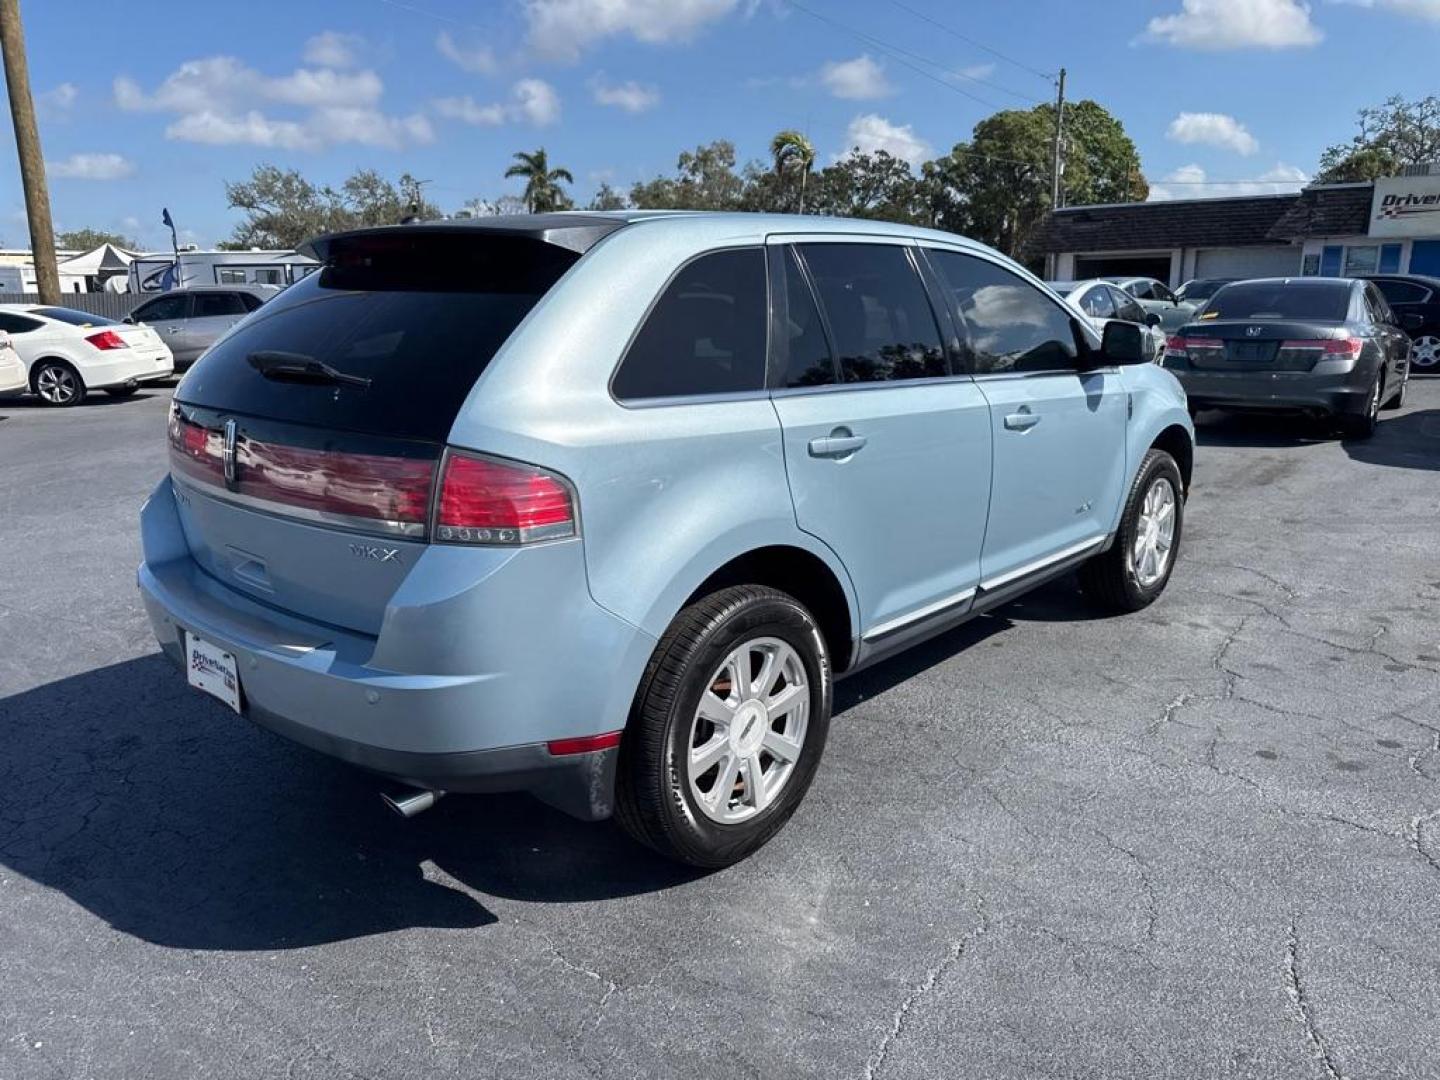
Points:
(792, 150)
(542, 183)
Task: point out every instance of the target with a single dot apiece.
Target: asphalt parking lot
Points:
(1202, 841)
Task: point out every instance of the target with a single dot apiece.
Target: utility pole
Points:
(1055, 198)
(27, 142)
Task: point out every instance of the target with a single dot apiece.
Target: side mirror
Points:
(1124, 343)
(1412, 320)
(1152, 319)
(129, 319)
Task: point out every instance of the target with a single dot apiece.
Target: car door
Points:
(168, 316)
(887, 453)
(1394, 340)
(212, 315)
(1059, 431)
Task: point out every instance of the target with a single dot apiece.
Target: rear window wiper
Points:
(297, 367)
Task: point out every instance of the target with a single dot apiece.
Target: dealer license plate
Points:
(211, 669)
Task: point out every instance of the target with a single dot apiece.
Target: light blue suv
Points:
(597, 506)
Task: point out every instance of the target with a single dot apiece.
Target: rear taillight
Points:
(1329, 347)
(107, 339)
(1184, 346)
(359, 490)
(489, 501)
(194, 450)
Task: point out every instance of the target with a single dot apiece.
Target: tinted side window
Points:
(705, 335)
(251, 301)
(167, 307)
(1403, 292)
(878, 312)
(808, 360)
(1012, 326)
(217, 303)
(1139, 289)
(1127, 307)
(17, 324)
(1098, 302)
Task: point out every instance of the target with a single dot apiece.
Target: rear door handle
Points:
(1023, 420)
(841, 442)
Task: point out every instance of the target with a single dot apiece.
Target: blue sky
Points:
(145, 104)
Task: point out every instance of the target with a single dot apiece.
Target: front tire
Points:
(1137, 567)
(57, 384)
(727, 728)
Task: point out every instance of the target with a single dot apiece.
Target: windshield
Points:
(1199, 290)
(73, 317)
(1325, 302)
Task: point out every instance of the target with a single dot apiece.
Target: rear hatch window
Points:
(396, 329)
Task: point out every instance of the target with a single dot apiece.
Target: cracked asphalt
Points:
(1201, 841)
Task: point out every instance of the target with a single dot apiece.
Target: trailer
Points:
(162, 271)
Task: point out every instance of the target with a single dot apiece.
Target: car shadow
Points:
(1261, 430)
(178, 822)
(1408, 441)
(93, 398)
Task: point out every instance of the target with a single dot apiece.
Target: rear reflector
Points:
(586, 745)
(489, 501)
(108, 339)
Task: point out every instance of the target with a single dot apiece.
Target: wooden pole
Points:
(27, 142)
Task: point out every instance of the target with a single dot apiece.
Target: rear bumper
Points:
(121, 370)
(388, 704)
(1340, 392)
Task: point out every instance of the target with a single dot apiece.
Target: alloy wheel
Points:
(1425, 352)
(1154, 533)
(748, 731)
(56, 384)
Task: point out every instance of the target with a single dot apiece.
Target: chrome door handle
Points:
(838, 444)
(172, 329)
(1023, 420)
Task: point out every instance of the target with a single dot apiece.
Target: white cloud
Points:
(216, 101)
(476, 59)
(332, 49)
(91, 167)
(861, 79)
(1212, 129)
(978, 71)
(562, 29)
(1192, 182)
(869, 133)
(1420, 9)
(60, 98)
(631, 96)
(1236, 24)
(532, 101)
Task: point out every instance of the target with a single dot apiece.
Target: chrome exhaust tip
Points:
(411, 801)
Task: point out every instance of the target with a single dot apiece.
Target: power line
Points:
(894, 53)
(1047, 76)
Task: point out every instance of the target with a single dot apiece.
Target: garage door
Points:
(1247, 262)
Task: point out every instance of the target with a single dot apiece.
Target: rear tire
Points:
(1397, 400)
(1123, 579)
(1363, 426)
(57, 384)
(710, 815)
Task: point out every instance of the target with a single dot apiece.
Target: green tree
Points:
(997, 186)
(705, 179)
(90, 239)
(607, 198)
(1390, 136)
(542, 183)
(793, 153)
(283, 209)
(876, 185)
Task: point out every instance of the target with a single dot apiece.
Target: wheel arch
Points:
(40, 361)
(802, 574)
(1175, 440)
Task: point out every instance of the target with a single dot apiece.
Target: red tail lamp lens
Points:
(485, 501)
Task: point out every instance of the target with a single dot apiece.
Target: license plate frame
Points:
(212, 670)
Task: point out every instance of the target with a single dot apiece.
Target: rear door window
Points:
(1098, 302)
(878, 312)
(417, 314)
(217, 303)
(809, 360)
(1403, 292)
(1011, 325)
(706, 333)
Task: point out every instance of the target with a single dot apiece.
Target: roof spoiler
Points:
(573, 232)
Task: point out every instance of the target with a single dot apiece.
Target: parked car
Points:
(1156, 297)
(12, 368)
(1100, 302)
(1330, 347)
(684, 471)
(1198, 290)
(1416, 299)
(68, 353)
(191, 320)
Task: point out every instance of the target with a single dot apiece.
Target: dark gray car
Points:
(1330, 347)
(190, 320)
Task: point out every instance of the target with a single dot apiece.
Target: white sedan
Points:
(68, 353)
(12, 368)
(1101, 301)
